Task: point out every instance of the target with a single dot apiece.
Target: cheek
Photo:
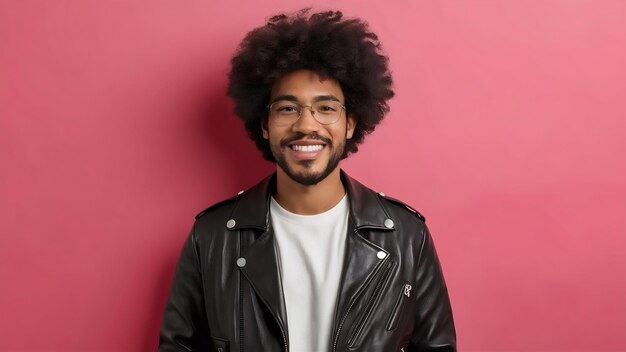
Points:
(344, 132)
(273, 135)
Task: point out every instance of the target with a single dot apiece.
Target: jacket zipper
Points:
(284, 338)
(343, 320)
(369, 307)
(240, 298)
(282, 331)
(405, 293)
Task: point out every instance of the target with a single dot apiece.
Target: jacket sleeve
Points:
(185, 326)
(434, 325)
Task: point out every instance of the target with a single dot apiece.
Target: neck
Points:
(308, 200)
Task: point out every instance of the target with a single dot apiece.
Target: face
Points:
(306, 150)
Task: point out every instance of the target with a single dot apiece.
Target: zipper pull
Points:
(407, 290)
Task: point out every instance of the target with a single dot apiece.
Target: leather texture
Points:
(395, 303)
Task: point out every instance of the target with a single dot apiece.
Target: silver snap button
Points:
(381, 255)
(389, 223)
(381, 193)
(240, 192)
(231, 223)
(241, 262)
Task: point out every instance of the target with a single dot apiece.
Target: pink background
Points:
(508, 132)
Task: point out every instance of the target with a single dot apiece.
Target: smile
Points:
(306, 148)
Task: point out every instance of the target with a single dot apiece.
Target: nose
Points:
(306, 123)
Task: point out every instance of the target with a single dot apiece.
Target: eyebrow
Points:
(292, 98)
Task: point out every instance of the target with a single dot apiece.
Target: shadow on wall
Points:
(240, 162)
(224, 158)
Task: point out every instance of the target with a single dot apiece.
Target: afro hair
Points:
(324, 42)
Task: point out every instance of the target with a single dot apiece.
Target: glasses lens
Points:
(284, 112)
(285, 109)
(327, 112)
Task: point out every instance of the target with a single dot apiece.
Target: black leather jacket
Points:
(392, 302)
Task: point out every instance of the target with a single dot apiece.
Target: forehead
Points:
(305, 85)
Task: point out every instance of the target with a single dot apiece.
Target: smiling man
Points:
(309, 259)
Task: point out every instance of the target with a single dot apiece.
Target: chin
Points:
(308, 172)
(307, 177)
(305, 172)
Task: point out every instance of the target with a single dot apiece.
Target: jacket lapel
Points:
(366, 210)
(361, 264)
(261, 267)
(263, 273)
(363, 259)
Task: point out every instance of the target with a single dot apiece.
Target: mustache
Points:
(300, 136)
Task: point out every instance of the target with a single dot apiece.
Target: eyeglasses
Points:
(287, 112)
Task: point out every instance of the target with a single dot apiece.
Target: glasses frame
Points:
(300, 109)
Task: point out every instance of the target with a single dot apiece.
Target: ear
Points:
(266, 134)
(350, 125)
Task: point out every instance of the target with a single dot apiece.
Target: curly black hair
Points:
(324, 42)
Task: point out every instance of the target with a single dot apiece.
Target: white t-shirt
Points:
(311, 252)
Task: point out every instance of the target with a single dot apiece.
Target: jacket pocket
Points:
(398, 309)
(221, 345)
(371, 304)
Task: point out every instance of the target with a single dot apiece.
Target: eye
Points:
(327, 108)
(286, 109)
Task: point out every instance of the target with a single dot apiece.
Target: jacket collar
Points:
(366, 210)
(261, 266)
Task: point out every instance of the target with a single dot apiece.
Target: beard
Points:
(309, 177)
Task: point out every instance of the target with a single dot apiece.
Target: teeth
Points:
(307, 148)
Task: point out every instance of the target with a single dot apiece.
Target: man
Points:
(309, 259)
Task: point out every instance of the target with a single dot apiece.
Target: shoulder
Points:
(217, 208)
(246, 205)
(400, 205)
(366, 200)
